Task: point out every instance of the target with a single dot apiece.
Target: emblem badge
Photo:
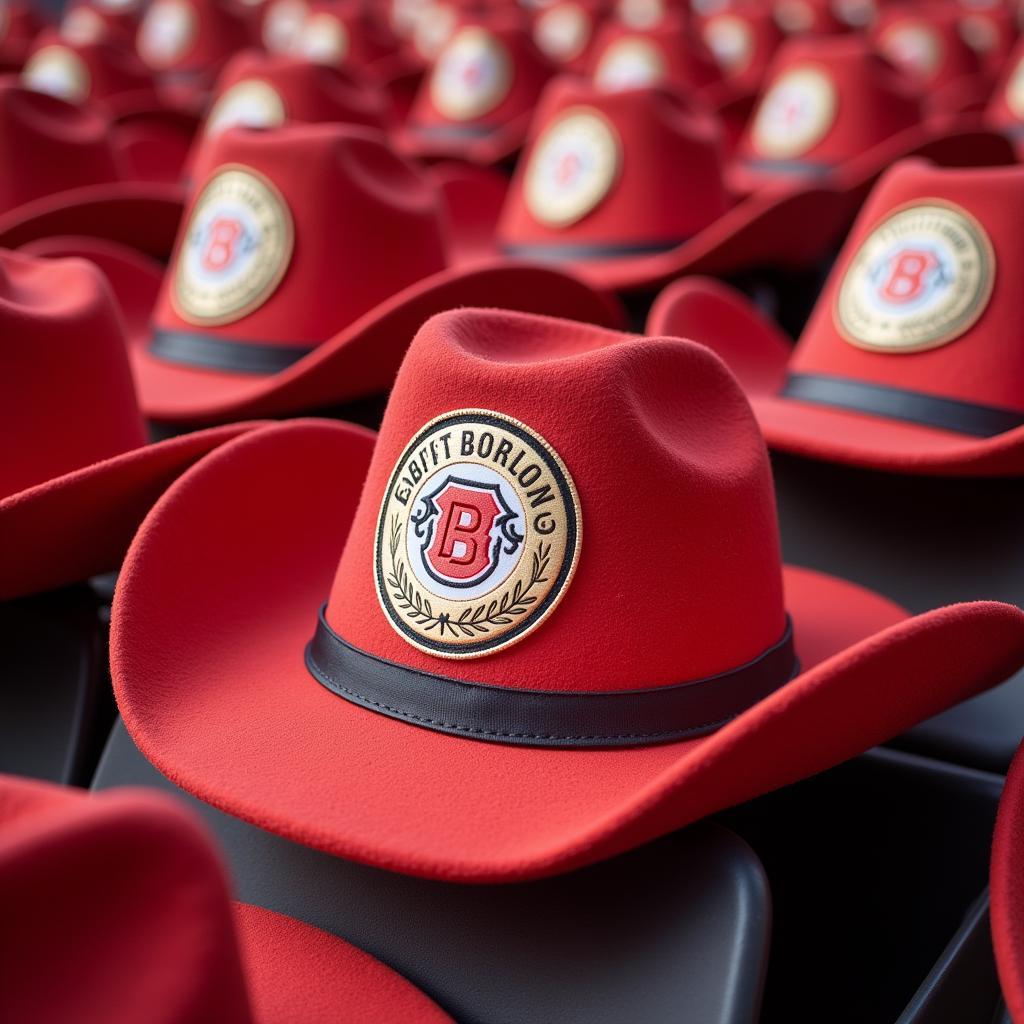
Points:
(323, 39)
(167, 32)
(795, 114)
(920, 280)
(641, 14)
(82, 26)
(855, 13)
(562, 32)
(979, 33)
(472, 76)
(434, 26)
(914, 48)
(731, 41)
(252, 103)
(794, 16)
(282, 24)
(235, 251)
(58, 71)
(572, 168)
(630, 63)
(478, 536)
(1015, 91)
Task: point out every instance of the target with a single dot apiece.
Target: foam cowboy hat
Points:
(65, 171)
(307, 258)
(80, 477)
(833, 112)
(122, 911)
(597, 190)
(559, 625)
(910, 360)
(1007, 893)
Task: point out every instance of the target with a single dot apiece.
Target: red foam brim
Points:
(709, 313)
(1007, 889)
(218, 599)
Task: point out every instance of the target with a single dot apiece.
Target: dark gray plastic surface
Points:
(924, 542)
(675, 932)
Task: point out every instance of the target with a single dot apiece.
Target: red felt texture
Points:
(215, 691)
(1007, 889)
(137, 925)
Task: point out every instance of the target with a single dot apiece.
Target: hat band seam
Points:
(596, 251)
(209, 352)
(542, 717)
(896, 403)
(795, 168)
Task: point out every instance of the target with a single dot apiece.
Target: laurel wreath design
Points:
(474, 621)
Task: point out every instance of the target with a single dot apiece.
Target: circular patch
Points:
(572, 168)
(914, 48)
(251, 102)
(472, 76)
(117, 5)
(920, 280)
(979, 33)
(236, 249)
(1015, 91)
(795, 114)
(323, 39)
(282, 24)
(640, 14)
(731, 40)
(82, 26)
(478, 535)
(794, 16)
(630, 63)
(855, 13)
(58, 71)
(167, 32)
(562, 33)
(434, 27)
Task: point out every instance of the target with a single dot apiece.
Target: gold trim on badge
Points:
(960, 250)
(206, 293)
(58, 71)
(587, 137)
(459, 97)
(807, 93)
(478, 536)
(251, 103)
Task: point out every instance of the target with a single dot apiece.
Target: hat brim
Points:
(1007, 889)
(141, 215)
(80, 524)
(705, 311)
(213, 688)
(363, 358)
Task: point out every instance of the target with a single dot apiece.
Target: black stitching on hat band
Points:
(545, 718)
(895, 403)
(221, 354)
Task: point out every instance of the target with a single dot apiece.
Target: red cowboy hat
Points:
(565, 32)
(278, 326)
(1007, 890)
(834, 112)
(743, 40)
(991, 32)
(19, 24)
(598, 190)
(101, 21)
(911, 359)
(495, 678)
(71, 497)
(122, 912)
(66, 171)
(477, 100)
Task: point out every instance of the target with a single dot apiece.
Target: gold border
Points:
(773, 151)
(272, 283)
(378, 533)
(502, 87)
(80, 69)
(974, 312)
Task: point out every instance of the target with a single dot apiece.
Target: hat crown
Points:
(677, 537)
(926, 43)
(342, 224)
(923, 295)
(67, 387)
(49, 146)
(651, 144)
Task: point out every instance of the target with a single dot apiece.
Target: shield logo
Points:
(464, 527)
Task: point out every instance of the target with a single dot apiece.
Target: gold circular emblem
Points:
(1015, 91)
(58, 71)
(251, 102)
(793, 16)
(562, 32)
(731, 41)
(855, 13)
(323, 39)
(473, 74)
(920, 280)
(82, 26)
(435, 25)
(282, 24)
(795, 114)
(235, 250)
(167, 32)
(979, 33)
(914, 47)
(572, 168)
(478, 536)
(630, 63)
(641, 14)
